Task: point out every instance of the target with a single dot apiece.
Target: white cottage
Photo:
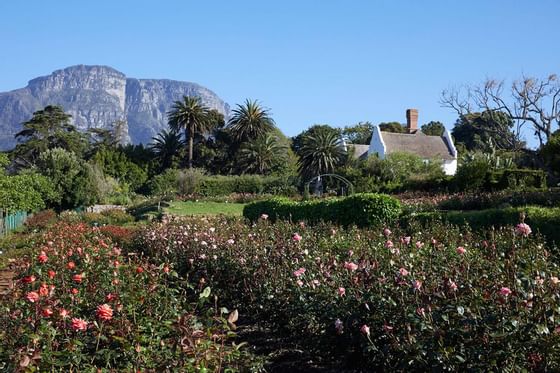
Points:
(415, 142)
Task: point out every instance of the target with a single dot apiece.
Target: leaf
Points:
(542, 329)
(206, 292)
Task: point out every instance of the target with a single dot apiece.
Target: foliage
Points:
(48, 128)
(189, 181)
(191, 116)
(542, 219)
(250, 121)
(166, 146)
(314, 131)
(115, 163)
(360, 133)
(320, 153)
(550, 152)
(27, 191)
(41, 220)
(263, 155)
(433, 299)
(71, 177)
(485, 131)
(433, 128)
(398, 171)
(393, 127)
(500, 199)
(80, 305)
(491, 172)
(363, 210)
(206, 208)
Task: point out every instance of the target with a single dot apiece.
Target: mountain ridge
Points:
(98, 95)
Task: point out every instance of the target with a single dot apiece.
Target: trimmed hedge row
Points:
(362, 210)
(545, 221)
(212, 186)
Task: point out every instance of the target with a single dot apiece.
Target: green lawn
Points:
(205, 208)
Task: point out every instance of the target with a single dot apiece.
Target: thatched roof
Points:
(358, 151)
(426, 147)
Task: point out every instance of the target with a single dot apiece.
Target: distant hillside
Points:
(97, 96)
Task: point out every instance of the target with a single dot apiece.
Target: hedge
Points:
(545, 221)
(362, 210)
(212, 186)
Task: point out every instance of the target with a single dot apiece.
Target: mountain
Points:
(97, 96)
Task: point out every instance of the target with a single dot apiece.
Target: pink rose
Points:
(299, 272)
(505, 291)
(296, 237)
(341, 291)
(351, 266)
(403, 272)
(523, 229)
(461, 250)
(365, 330)
(104, 312)
(387, 232)
(417, 285)
(388, 244)
(32, 296)
(79, 324)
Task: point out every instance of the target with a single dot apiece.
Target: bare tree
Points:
(531, 101)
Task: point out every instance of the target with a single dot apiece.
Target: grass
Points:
(205, 208)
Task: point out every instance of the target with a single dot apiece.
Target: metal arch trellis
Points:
(334, 176)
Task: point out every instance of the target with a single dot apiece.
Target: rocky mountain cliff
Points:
(97, 96)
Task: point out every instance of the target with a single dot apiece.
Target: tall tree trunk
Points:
(191, 140)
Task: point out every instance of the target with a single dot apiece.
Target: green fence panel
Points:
(11, 221)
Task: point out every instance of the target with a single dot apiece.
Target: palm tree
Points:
(165, 146)
(250, 121)
(262, 155)
(320, 153)
(191, 116)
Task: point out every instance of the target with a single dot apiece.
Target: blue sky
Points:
(309, 61)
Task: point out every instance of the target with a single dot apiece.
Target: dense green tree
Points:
(191, 116)
(486, 132)
(359, 133)
(48, 128)
(393, 127)
(115, 163)
(250, 121)
(320, 153)
(433, 128)
(166, 146)
(262, 155)
(297, 141)
(71, 177)
(550, 153)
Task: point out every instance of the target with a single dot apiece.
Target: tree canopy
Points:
(433, 128)
(48, 128)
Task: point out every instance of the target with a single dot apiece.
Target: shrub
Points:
(41, 220)
(434, 299)
(516, 179)
(85, 307)
(358, 209)
(506, 198)
(543, 220)
(72, 178)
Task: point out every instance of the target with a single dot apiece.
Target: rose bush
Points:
(441, 298)
(80, 305)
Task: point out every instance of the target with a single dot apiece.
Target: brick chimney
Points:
(412, 120)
